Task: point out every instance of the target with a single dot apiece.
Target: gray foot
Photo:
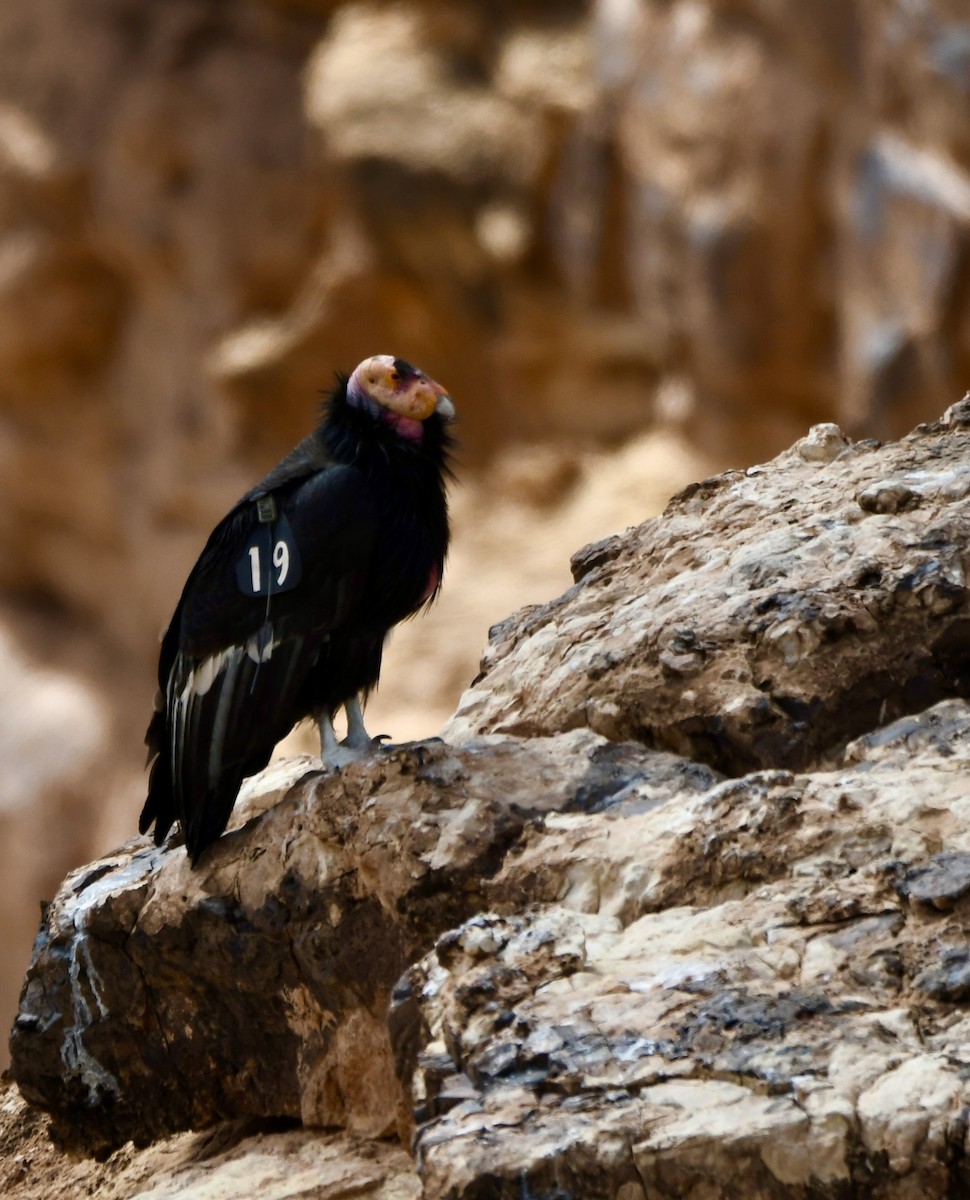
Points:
(357, 746)
(343, 755)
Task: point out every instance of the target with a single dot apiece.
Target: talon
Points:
(364, 746)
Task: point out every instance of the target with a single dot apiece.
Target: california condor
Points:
(285, 614)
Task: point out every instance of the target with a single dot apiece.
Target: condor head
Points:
(398, 393)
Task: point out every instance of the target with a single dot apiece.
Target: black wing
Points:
(232, 664)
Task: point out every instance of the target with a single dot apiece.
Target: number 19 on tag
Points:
(281, 561)
(271, 562)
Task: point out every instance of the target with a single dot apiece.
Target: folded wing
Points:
(233, 663)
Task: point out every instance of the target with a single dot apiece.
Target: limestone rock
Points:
(774, 1003)
(237, 1161)
(563, 963)
(766, 618)
(162, 997)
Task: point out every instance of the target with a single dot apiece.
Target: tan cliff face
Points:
(583, 218)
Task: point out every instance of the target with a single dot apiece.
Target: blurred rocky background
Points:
(639, 240)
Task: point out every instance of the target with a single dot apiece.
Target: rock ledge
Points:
(564, 921)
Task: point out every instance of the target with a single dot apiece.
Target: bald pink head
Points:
(399, 393)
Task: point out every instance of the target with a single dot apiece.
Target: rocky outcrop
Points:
(562, 959)
(762, 985)
(141, 1016)
(238, 1161)
(770, 615)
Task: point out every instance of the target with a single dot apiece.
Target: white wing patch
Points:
(220, 724)
(260, 646)
(201, 678)
(218, 706)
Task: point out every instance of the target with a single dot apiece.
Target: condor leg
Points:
(357, 736)
(356, 746)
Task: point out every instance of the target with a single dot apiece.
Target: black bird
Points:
(285, 614)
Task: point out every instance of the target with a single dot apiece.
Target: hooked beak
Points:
(433, 399)
(445, 406)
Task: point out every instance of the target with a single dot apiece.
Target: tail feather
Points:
(224, 718)
(160, 804)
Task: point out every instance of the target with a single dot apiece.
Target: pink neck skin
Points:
(404, 426)
(434, 578)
